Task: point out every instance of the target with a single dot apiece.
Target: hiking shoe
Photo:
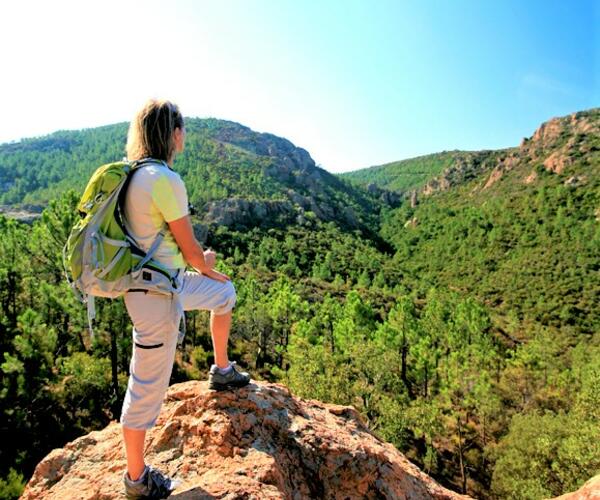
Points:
(229, 380)
(152, 484)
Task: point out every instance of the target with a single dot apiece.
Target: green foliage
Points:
(527, 249)
(545, 455)
(406, 174)
(423, 377)
(549, 452)
(41, 327)
(11, 487)
(84, 389)
(37, 170)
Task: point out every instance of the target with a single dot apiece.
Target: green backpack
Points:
(100, 258)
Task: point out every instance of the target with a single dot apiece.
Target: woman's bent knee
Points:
(229, 300)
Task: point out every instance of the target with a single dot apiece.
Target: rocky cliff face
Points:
(257, 442)
(234, 211)
(238, 211)
(303, 185)
(556, 144)
(23, 213)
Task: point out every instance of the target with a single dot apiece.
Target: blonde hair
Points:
(151, 131)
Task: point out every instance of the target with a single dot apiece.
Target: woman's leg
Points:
(154, 317)
(220, 325)
(201, 292)
(134, 449)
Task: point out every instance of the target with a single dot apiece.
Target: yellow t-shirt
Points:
(156, 195)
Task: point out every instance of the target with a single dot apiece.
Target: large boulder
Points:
(256, 442)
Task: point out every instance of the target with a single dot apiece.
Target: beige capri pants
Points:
(156, 319)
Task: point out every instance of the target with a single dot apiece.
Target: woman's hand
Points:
(192, 251)
(202, 261)
(210, 258)
(216, 275)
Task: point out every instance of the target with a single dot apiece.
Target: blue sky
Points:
(356, 83)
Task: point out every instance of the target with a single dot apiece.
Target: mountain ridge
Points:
(223, 162)
(441, 166)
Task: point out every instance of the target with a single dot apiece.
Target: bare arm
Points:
(192, 251)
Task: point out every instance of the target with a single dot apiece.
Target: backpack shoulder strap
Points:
(120, 214)
(120, 208)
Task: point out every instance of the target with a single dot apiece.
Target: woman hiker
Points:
(155, 200)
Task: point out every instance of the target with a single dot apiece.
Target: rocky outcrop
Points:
(310, 203)
(257, 442)
(413, 198)
(503, 165)
(239, 211)
(557, 142)
(557, 162)
(307, 178)
(576, 181)
(22, 213)
(250, 213)
(549, 132)
(589, 491)
(556, 145)
(391, 198)
(466, 166)
(531, 178)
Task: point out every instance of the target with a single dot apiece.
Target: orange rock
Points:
(494, 177)
(256, 442)
(557, 162)
(589, 491)
(549, 131)
(531, 177)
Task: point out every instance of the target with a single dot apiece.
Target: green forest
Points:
(464, 327)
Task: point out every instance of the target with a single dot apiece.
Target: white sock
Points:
(224, 371)
(139, 479)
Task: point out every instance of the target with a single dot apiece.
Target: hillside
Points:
(234, 176)
(406, 175)
(520, 228)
